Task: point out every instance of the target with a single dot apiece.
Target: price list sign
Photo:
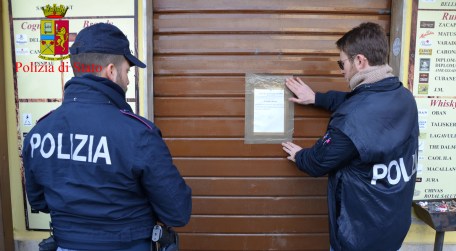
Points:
(432, 78)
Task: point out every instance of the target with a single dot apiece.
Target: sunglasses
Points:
(341, 63)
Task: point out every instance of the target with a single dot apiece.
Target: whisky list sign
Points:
(432, 78)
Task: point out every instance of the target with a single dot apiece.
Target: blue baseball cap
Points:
(104, 38)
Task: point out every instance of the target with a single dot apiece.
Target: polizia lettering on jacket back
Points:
(382, 171)
(85, 148)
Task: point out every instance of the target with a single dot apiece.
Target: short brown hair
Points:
(96, 59)
(368, 39)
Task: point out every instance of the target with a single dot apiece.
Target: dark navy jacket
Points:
(104, 173)
(371, 188)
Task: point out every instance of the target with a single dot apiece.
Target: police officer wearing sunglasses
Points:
(369, 150)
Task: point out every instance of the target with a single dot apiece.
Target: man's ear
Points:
(109, 72)
(360, 62)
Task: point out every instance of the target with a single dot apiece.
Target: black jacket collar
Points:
(111, 90)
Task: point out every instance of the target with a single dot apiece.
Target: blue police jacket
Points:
(370, 196)
(104, 173)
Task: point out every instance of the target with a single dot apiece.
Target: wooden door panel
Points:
(205, 23)
(257, 224)
(215, 147)
(216, 107)
(245, 44)
(273, 205)
(237, 167)
(319, 6)
(240, 65)
(230, 86)
(230, 127)
(254, 242)
(274, 186)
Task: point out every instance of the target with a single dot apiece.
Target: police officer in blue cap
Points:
(103, 173)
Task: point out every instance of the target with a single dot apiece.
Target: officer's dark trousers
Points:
(143, 245)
